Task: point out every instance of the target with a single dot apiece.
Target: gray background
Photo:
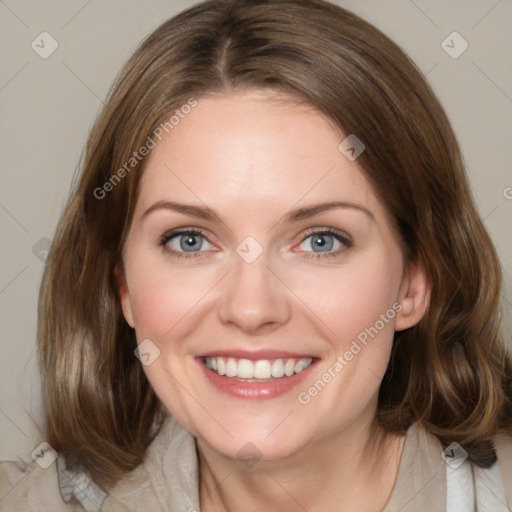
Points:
(48, 105)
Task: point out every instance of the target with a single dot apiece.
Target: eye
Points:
(325, 243)
(184, 243)
(188, 243)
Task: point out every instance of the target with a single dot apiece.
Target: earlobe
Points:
(124, 295)
(407, 304)
(414, 296)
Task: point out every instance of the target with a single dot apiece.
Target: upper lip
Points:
(255, 355)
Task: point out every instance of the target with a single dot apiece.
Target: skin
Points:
(252, 156)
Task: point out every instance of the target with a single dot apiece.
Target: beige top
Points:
(168, 480)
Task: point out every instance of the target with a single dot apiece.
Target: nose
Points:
(255, 301)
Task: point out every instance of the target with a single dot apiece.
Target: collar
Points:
(170, 474)
(171, 464)
(80, 486)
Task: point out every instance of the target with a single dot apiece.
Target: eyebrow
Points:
(205, 213)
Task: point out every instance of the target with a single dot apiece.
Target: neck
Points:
(353, 470)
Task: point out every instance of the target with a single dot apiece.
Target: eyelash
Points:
(338, 235)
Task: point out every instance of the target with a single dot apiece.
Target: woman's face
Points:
(267, 284)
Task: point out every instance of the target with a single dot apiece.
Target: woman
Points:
(270, 288)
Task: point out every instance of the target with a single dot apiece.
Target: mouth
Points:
(260, 370)
(256, 376)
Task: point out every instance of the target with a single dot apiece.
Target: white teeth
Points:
(231, 368)
(289, 367)
(277, 368)
(221, 366)
(245, 369)
(301, 365)
(260, 369)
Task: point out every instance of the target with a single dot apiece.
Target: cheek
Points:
(162, 296)
(353, 300)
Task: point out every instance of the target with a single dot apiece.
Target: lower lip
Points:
(255, 390)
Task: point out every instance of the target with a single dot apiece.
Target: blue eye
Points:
(184, 241)
(323, 242)
(188, 243)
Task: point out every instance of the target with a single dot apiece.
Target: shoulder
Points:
(421, 479)
(471, 487)
(503, 446)
(437, 479)
(166, 480)
(27, 486)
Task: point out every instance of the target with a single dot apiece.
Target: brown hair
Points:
(451, 371)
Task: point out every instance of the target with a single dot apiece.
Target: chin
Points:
(257, 442)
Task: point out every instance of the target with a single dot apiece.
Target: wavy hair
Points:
(451, 371)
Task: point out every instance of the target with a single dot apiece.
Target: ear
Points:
(124, 294)
(414, 296)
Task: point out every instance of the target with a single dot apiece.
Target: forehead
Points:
(253, 150)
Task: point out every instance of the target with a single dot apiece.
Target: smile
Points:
(259, 375)
(262, 369)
